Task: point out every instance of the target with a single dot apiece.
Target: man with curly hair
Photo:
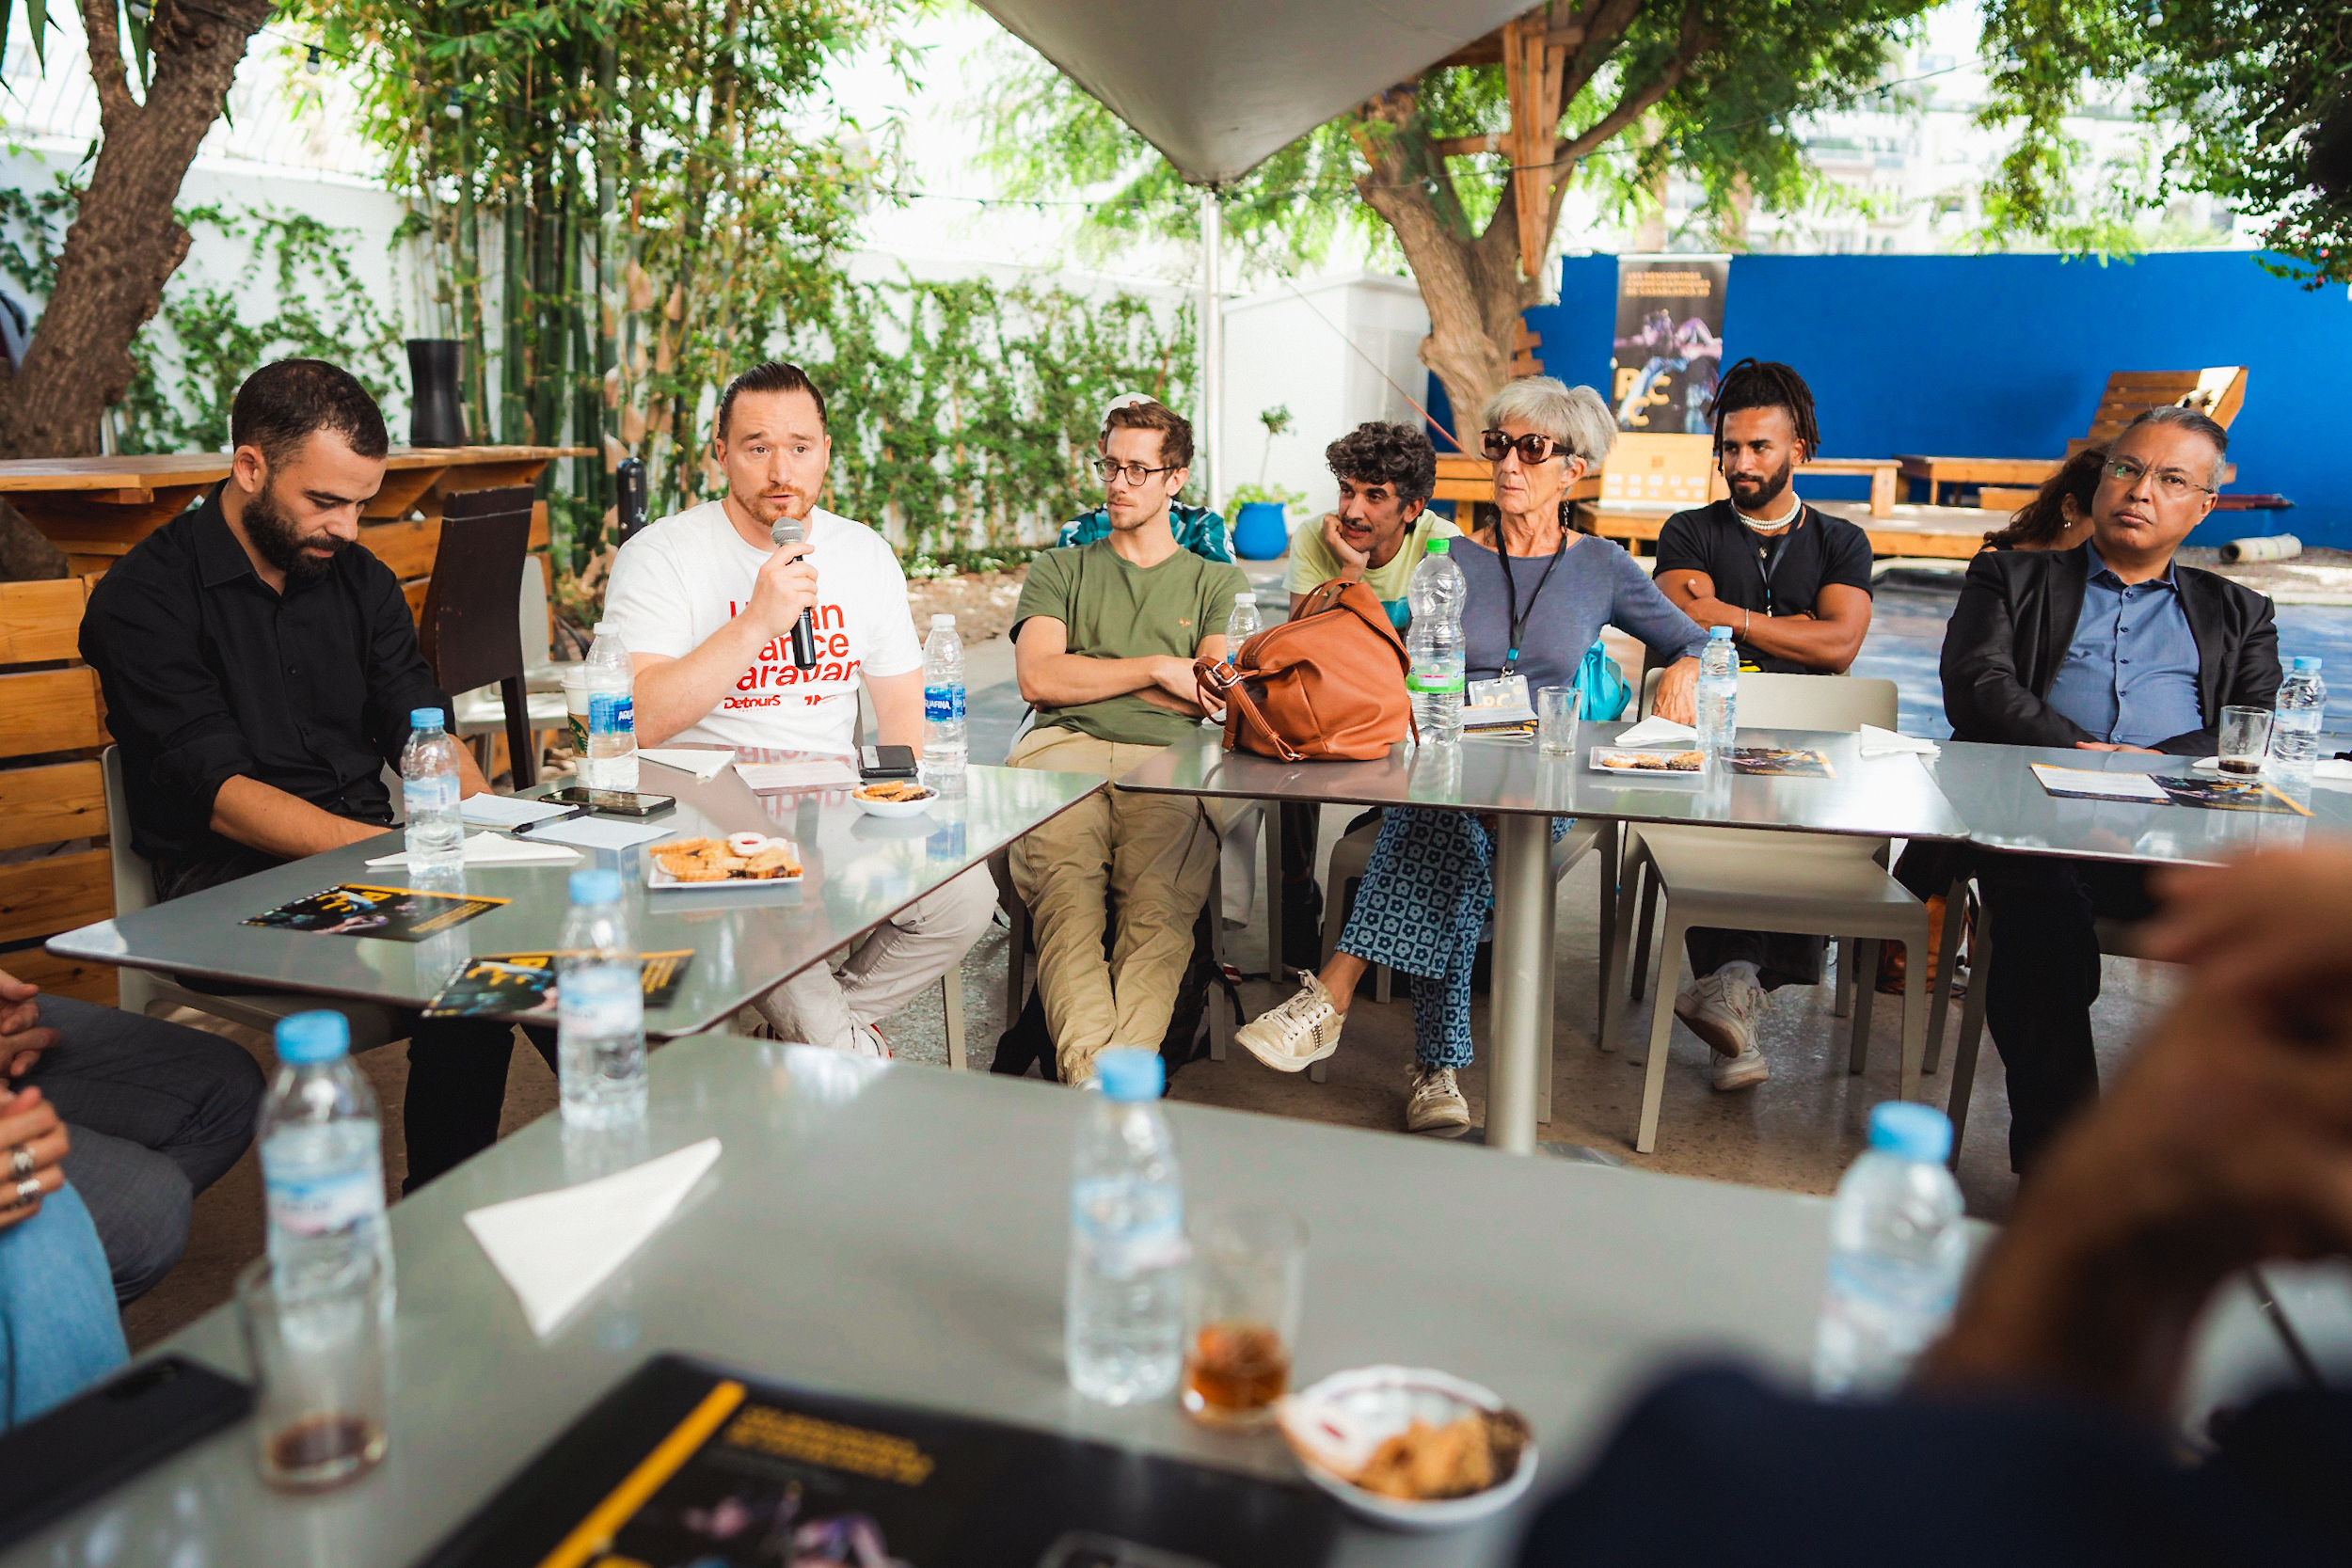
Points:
(1382, 526)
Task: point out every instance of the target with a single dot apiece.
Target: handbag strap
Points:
(1218, 679)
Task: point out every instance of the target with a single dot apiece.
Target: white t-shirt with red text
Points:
(682, 579)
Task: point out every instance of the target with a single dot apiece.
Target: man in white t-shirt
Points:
(705, 602)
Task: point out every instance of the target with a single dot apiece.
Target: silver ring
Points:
(27, 1191)
(21, 1160)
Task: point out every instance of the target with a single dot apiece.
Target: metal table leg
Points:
(1524, 918)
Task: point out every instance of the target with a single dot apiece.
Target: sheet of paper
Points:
(602, 833)
(497, 849)
(819, 773)
(705, 766)
(2097, 785)
(505, 811)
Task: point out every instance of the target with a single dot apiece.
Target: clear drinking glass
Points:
(318, 1340)
(1242, 1299)
(1556, 711)
(2244, 741)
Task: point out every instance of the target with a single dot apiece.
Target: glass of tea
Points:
(317, 1339)
(2244, 741)
(1242, 1297)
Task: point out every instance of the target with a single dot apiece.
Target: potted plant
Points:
(1260, 527)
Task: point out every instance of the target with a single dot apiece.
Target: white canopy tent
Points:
(1218, 85)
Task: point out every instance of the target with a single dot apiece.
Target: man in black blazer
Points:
(2106, 647)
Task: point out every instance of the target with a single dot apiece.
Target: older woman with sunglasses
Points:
(1538, 594)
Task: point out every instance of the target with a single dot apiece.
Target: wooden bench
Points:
(53, 796)
(2218, 391)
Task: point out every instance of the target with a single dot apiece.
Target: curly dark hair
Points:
(1767, 384)
(2041, 520)
(1378, 452)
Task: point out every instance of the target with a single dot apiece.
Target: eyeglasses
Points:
(1136, 473)
(1532, 449)
(2171, 484)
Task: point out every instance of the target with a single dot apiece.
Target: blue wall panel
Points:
(2006, 357)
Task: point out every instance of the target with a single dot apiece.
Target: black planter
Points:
(436, 415)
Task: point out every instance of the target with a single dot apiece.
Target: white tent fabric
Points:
(1219, 84)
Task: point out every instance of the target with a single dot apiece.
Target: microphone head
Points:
(788, 530)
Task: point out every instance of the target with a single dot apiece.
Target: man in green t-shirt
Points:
(1382, 526)
(1104, 643)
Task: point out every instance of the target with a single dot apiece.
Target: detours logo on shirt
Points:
(773, 669)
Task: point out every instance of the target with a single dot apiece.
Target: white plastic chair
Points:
(1821, 884)
(144, 991)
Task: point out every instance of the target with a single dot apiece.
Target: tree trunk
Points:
(124, 242)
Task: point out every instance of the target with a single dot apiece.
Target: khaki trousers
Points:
(1150, 856)
(884, 970)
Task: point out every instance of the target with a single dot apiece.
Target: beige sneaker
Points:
(1301, 1031)
(1723, 1011)
(1433, 1104)
(1743, 1071)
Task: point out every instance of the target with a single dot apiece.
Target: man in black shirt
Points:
(260, 668)
(1793, 584)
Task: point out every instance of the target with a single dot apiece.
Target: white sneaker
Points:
(1303, 1030)
(1433, 1104)
(1743, 1071)
(866, 1040)
(1722, 1011)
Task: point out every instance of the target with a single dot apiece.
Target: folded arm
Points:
(1827, 640)
(1052, 677)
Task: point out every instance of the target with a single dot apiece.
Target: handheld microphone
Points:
(791, 531)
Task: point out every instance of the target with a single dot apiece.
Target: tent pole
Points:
(1212, 345)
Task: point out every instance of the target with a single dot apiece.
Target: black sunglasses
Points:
(1532, 448)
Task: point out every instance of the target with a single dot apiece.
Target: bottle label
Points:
(436, 793)
(1433, 682)
(599, 1003)
(324, 1204)
(613, 713)
(942, 704)
(1122, 1242)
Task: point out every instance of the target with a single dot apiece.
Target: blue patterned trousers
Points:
(1425, 900)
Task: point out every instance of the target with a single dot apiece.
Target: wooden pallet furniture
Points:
(2218, 391)
(1941, 532)
(55, 873)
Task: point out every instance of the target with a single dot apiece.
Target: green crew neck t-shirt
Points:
(1313, 564)
(1114, 608)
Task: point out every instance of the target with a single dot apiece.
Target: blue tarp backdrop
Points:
(2006, 357)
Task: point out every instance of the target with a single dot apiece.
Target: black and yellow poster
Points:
(1670, 343)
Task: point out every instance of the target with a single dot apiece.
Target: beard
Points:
(284, 546)
(1755, 494)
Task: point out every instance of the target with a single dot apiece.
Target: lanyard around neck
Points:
(1519, 616)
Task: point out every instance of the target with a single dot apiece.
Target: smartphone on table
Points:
(885, 762)
(613, 802)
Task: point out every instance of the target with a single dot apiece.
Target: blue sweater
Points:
(1595, 583)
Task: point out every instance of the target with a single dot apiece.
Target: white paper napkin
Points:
(1655, 730)
(555, 1248)
(705, 766)
(817, 773)
(497, 849)
(1877, 742)
(2333, 769)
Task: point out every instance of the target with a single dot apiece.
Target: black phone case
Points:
(890, 762)
(96, 1441)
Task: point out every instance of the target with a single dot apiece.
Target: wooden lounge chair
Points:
(2218, 390)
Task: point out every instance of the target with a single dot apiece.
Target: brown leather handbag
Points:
(1326, 685)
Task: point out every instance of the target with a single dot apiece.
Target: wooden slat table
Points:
(1944, 532)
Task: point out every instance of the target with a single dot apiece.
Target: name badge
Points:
(1505, 691)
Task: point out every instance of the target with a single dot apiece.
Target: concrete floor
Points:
(1799, 1132)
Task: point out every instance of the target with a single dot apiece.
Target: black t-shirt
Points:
(1777, 575)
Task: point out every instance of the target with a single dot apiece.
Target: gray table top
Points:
(859, 871)
(2008, 810)
(897, 1232)
(1889, 796)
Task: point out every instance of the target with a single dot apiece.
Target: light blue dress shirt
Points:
(2130, 675)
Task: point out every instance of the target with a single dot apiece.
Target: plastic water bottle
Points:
(322, 1154)
(943, 743)
(1241, 625)
(1124, 1313)
(1898, 1247)
(611, 759)
(1436, 645)
(600, 1009)
(2295, 730)
(1719, 695)
(428, 792)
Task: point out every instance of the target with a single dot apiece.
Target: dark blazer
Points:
(2015, 621)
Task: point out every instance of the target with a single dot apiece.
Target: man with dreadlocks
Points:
(1793, 584)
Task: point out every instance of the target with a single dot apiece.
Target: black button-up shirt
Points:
(210, 673)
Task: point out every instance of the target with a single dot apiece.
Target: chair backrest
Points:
(471, 630)
(536, 620)
(134, 874)
(2218, 391)
(52, 787)
(1843, 702)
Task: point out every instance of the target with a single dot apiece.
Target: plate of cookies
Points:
(894, 797)
(1410, 1446)
(1618, 759)
(739, 860)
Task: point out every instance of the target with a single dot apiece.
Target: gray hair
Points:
(1573, 416)
(2197, 423)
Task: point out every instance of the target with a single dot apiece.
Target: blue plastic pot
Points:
(1259, 533)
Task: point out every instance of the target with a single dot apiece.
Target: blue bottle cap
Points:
(1719, 633)
(595, 886)
(1131, 1074)
(2306, 664)
(315, 1037)
(1919, 1132)
(425, 718)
